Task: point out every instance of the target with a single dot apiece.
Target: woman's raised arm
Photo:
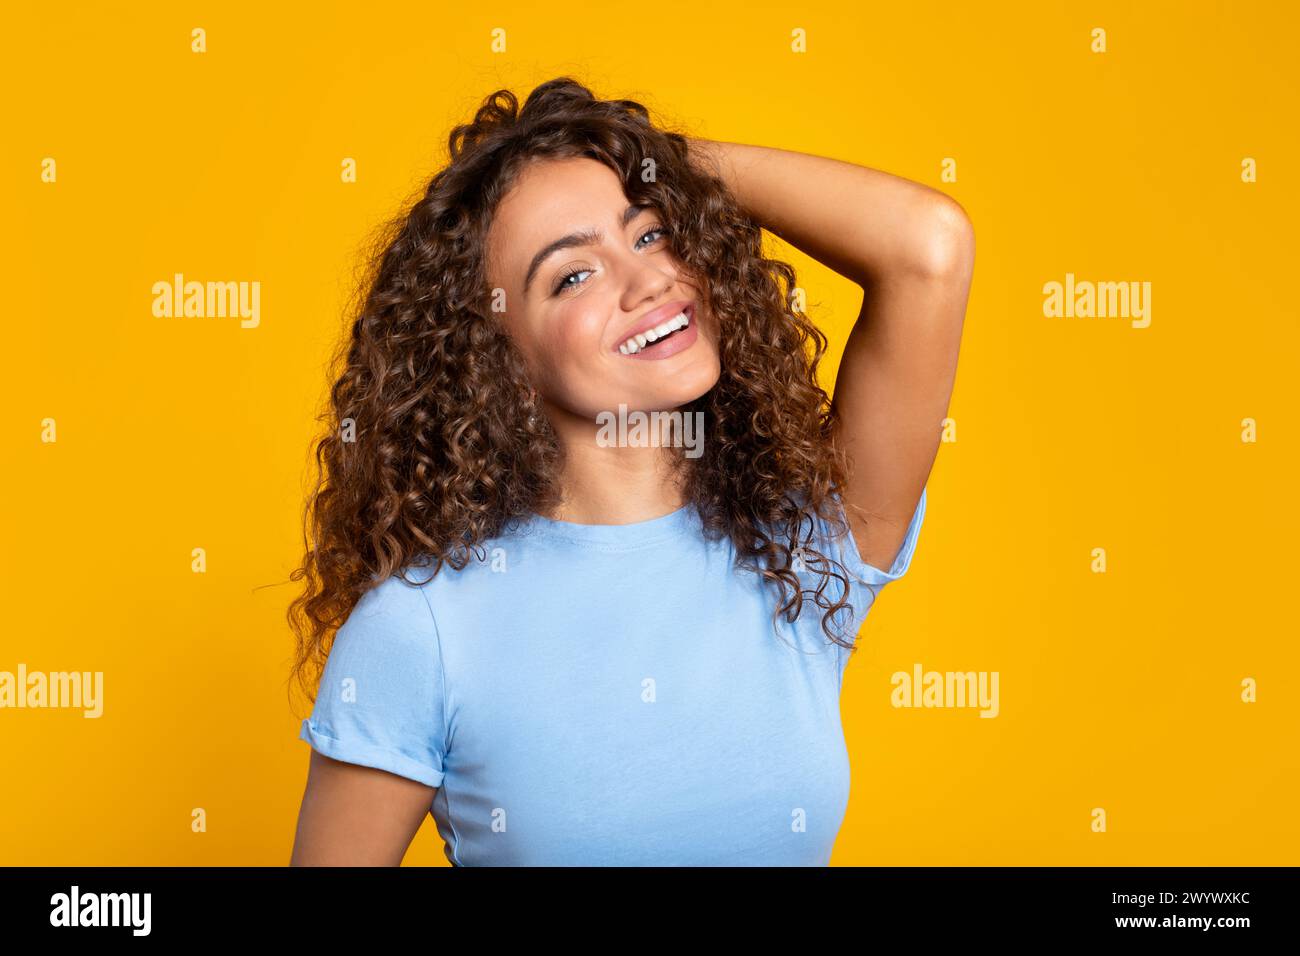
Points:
(912, 249)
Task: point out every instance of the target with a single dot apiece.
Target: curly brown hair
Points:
(428, 449)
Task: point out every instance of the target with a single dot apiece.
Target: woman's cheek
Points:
(560, 357)
(586, 379)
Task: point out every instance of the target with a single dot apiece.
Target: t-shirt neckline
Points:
(635, 533)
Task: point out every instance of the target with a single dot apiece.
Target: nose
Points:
(647, 278)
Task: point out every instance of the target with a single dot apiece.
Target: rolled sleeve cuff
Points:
(369, 755)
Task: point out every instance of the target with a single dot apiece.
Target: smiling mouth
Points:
(648, 340)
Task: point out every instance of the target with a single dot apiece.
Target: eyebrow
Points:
(585, 237)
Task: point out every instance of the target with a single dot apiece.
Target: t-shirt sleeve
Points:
(380, 700)
(869, 574)
(866, 580)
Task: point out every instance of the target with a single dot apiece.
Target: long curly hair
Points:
(428, 449)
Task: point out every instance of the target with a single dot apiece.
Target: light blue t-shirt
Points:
(603, 695)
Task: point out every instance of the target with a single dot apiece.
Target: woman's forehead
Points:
(550, 198)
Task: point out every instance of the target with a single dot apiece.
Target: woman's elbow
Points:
(946, 244)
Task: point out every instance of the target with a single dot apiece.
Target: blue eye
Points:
(561, 283)
(652, 231)
(560, 286)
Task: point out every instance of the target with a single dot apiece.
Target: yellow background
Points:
(1119, 690)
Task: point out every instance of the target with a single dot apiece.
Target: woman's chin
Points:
(681, 395)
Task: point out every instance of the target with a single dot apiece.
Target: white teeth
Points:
(637, 342)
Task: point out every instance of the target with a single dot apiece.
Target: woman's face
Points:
(572, 301)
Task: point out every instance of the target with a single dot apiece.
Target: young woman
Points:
(576, 642)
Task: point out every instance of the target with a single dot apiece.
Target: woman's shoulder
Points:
(465, 575)
(395, 599)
